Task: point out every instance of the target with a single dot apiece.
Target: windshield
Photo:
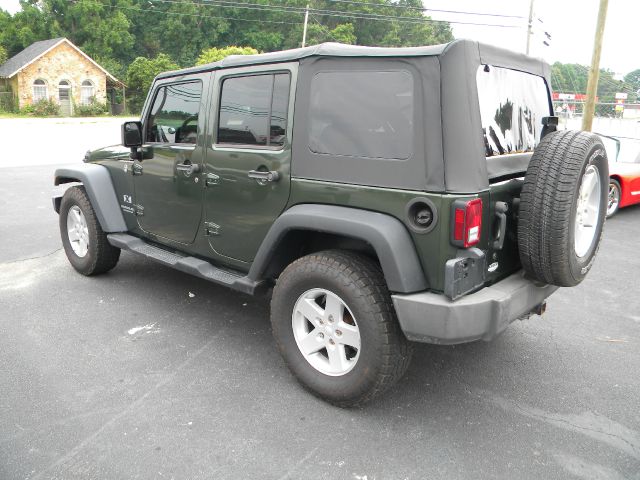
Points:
(622, 150)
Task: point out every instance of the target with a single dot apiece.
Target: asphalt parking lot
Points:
(148, 373)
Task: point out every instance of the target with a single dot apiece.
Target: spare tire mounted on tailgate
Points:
(563, 207)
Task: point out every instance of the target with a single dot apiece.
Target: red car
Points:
(624, 172)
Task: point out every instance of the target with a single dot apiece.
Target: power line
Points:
(197, 15)
(422, 9)
(331, 13)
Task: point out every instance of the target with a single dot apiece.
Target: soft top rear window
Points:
(512, 105)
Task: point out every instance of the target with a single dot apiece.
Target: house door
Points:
(64, 97)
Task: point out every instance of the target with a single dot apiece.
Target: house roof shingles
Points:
(26, 56)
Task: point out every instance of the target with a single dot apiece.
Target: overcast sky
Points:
(570, 22)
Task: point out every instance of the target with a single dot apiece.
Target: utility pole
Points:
(594, 71)
(304, 31)
(529, 27)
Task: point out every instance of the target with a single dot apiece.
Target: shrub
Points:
(93, 109)
(42, 108)
(27, 110)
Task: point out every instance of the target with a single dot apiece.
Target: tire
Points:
(562, 207)
(613, 200)
(87, 247)
(323, 280)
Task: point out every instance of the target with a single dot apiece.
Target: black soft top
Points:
(452, 142)
(488, 54)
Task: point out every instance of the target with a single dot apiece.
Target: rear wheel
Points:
(335, 326)
(562, 207)
(84, 241)
(614, 198)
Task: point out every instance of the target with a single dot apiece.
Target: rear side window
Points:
(362, 114)
(253, 110)
(512, 105)
(174, 114)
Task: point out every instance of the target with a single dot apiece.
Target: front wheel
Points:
(84, 241)
(336, 328)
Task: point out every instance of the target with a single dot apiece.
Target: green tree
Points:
(140, 75)
(113, 66)
(26, 26)
(344, 33)
(214, 54)
(633, 79)
(3, 55)
(99, 29)
(573, 78)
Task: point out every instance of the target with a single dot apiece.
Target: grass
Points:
(5, 115)
(13, 115)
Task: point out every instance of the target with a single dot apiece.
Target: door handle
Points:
(188, 168)
(264, 176)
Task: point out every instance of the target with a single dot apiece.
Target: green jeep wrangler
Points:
(381, 196)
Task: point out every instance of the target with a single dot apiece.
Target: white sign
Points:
(621, 96)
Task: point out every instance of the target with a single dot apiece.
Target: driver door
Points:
(168, 192)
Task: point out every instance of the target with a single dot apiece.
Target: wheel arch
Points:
(617, 178)
(99, 187)
(307, 228)
(622, 181)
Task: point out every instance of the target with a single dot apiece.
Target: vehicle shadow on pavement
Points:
(435, 377)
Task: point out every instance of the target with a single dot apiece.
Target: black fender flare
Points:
(386, 234)
(97, 182)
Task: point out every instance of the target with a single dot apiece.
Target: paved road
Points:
(129, 376)
(52, 141)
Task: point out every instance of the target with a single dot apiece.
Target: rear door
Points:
(512, 106)
(249, 156)
(168, 191)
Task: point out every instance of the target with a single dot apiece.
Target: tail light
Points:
(466, 222)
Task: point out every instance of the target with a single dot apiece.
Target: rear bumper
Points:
(434, 318)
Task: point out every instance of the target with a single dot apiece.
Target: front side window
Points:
(174, 114)
(39, 90)
(512, 106)
(365, 114)
(253, 110)
(87, 92)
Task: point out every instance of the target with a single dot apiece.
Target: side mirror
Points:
(132, 134)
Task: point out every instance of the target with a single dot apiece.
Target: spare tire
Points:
(563, 204)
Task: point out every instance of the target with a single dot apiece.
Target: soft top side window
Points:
(364, 114)
(173, 117)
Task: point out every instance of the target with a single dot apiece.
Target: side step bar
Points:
(192, 265)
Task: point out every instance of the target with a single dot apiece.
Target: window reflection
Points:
(174, 114)
(512, 105)
(253, 110)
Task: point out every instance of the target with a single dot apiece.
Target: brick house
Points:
(58, 70)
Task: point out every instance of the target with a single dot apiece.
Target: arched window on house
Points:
(87, 92)
(39, 90)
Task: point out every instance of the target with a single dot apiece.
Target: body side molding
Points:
(387, 235)
(97, 182)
